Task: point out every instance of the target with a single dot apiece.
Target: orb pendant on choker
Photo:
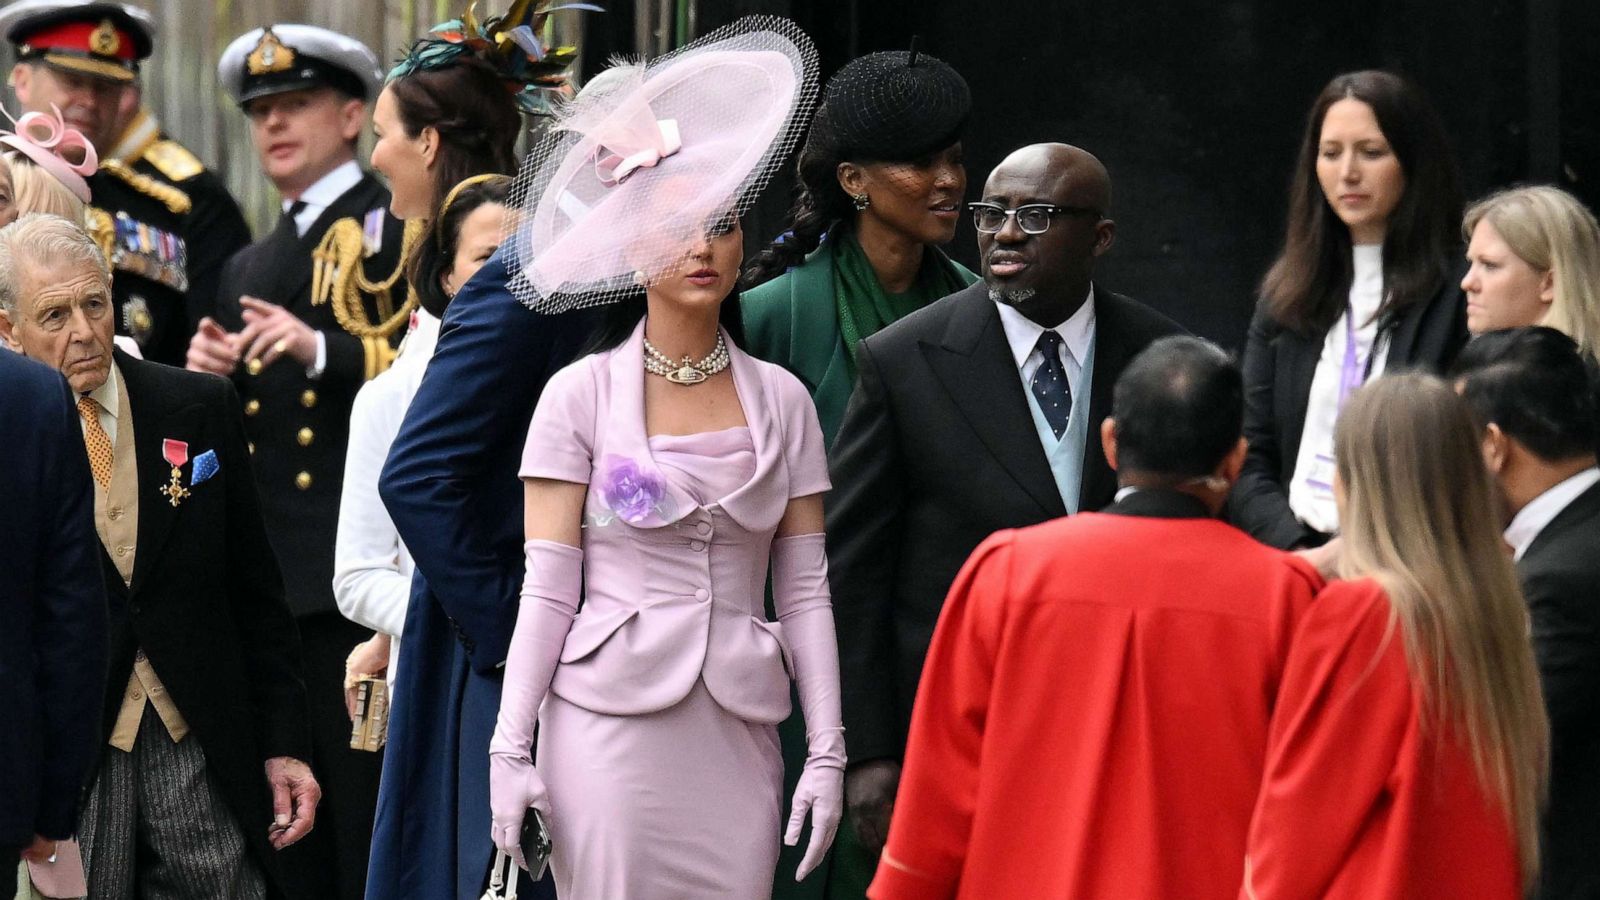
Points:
(686, 371)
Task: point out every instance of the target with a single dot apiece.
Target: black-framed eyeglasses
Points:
(1032, 218)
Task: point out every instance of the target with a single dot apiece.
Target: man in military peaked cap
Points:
(165, 222)
(303, 320)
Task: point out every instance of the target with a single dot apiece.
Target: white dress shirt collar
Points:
(322, 194)
(1532, 519)
(1022, 333)
(110, 407)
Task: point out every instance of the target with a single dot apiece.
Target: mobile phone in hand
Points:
(535, 843)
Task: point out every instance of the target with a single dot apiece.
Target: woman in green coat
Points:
(881, 188)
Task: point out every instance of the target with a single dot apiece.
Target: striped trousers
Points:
(155, 828)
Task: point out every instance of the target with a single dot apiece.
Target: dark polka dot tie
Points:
(1049, 384)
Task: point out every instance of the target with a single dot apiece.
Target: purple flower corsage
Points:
(631, 492)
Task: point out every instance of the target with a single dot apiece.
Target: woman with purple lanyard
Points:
(1365, 284)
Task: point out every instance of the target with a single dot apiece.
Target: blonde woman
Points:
(1534, 255)
(38, 191)
(1407, 755)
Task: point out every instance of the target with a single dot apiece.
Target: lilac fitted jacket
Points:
(673, 591)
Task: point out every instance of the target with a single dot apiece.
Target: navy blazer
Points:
(450, 485)
(52, 607)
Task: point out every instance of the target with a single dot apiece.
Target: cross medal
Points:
(176, 454)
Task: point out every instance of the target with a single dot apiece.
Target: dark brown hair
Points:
(444, 234)
(476, 116)
(1307, 286)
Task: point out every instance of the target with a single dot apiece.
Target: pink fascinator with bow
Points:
(63, 152)
(650, 157)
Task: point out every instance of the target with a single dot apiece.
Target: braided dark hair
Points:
(819, 203)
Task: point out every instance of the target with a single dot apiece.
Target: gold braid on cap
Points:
(337, 277)
(169, 196)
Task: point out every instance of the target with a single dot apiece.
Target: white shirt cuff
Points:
(315, 370)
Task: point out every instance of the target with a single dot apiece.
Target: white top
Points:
(1531, 519)
(1022, 334)
(371, 567)
(1311, 488)
(110, 410)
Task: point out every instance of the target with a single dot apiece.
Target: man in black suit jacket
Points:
(300, 336)
(204, 708)
(52, 614)
(1530, 391)
(964, 422)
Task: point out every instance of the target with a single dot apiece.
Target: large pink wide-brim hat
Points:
(648, 157)
(63, 152)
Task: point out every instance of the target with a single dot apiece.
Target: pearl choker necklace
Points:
(686, 371)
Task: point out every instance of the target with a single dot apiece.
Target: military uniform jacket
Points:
(298, 425)
(168, 226)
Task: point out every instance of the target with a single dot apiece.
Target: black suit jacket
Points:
(299, 426)
(206, 601)
(937, 451)
(1279, 365)
(52, 608)
(1560, 575)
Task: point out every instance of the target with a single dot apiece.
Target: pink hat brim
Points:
(51, 163)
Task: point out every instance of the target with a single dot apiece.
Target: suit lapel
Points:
(974, 364)
(154, 420)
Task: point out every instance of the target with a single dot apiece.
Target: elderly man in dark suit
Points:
(205, 711)
(52, 614)
(976, 413)
(1530, 390)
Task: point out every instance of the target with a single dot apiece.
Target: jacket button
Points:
(305, 437)
(704, 528)
(252, 447)
(303, 481)
(124, 550)
(253, 366)
(697, 546)
(135, 695)
(702, 595)
(253, 407)
(308, 398)
(115, 513)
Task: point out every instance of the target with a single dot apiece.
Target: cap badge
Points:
(269, 56)
(104, 40)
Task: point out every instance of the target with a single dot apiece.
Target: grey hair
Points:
(40, 239)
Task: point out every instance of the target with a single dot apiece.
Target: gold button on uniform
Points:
(305, 437)
(308, 398)
(253, 407)
(303, 481)
(253, 367)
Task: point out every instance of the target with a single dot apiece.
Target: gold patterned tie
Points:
(98, 442)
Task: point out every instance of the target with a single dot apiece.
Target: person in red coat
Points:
(1408, 751)
(1092, 719)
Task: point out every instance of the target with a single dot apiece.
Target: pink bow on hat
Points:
(52, 146)
(661, 142)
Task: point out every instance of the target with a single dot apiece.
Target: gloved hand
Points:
(550, 591)
(800, 595)
(514, 785)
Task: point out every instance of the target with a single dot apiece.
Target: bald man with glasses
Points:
(978, 413)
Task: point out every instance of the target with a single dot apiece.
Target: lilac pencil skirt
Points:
(682, 803)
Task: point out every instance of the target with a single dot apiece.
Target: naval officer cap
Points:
(281, 58)
(104, 40)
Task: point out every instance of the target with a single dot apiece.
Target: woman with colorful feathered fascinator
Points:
(450, 114)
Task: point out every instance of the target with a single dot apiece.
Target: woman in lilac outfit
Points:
(664, 475)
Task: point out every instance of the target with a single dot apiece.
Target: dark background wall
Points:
(1197, 107)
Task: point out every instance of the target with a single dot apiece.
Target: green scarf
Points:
(865, 307)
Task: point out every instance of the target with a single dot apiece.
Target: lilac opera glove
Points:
(800, 595)
(550, 589)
